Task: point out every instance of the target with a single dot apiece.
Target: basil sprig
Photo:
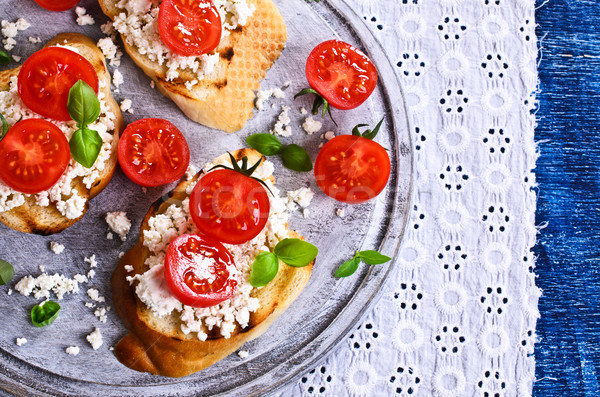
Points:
(84, 108)
(4, 128)
(45, 314)
(4, 58)
(370, 257)
(291, 251)
(6, 272)
(294, 157)
(368, 133)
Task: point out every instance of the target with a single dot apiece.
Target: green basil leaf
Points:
(83, 104)
(264, 269)
(295, 252)
(4, 129)
(296, 158)
(4, 58)
(85, 146)
(45, 314)
(373, 257)
(266, 144)
(6, 272)
(347, 268)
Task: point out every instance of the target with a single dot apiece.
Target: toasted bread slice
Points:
(225, 100)
(157, 345)
(33, 218)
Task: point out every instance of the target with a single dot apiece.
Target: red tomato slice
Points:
(341, 74)
(189, 27)
(153, 152)
(57, 5)
(200, 272)
(47, 76)
(352, 169)
(229, 207)
(33, 156)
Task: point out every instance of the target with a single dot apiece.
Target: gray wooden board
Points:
(316, 322)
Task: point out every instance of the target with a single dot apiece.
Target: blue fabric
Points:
(568, 268)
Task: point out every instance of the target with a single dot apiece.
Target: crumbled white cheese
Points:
(311, 125)
(66, 199)
(90, 305)
(121, 254)
(243, 353)
(91, 260)
(287, 84)
(340, 212)
(118, 223)
(109, 30)
(128, 268)
(42, 268)
(117, 79)
(16, 58)
(57, 248)
(137, 23)
(126, 106)
(10, 291)
(95, 295)
(80, 278)
(152, 84)
(100, 313)
(95, 339)
(176, 220)
(109, 236)
(82, 17)
(21, 341)
(10, 31)
(110, 50)
(91, 274)
(34, 40)
(190, 172)
(41, 286)
(263, 96)
(302, 197)
(329, 135)
(72, 350)
(282, 126)
(306, 212)
(303, 111)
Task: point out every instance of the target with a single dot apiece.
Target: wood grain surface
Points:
(568, 172)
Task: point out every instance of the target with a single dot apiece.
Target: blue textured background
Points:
(568, 268)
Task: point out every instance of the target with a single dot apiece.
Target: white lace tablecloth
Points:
(458, 318)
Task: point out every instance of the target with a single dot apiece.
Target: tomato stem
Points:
(244, 170)
(368, 133)
(319, 101)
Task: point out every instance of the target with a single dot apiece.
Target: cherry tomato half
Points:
(189, 27)
(200, 272)
(352, 169)
(341, 74)
(229, 206)
(57, 5)
(33, 156)
(47, 76)
(153, 152)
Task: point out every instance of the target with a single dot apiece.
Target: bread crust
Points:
(226, 101)
(32, 218)
(170, 352)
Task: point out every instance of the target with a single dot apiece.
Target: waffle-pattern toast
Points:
(45, 220)
(157, 345)
(224, 101)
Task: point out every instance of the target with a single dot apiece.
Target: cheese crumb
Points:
(263, 96)
(118, 223)
(91, 274)
(305, 212)
(121, 254)
(91, 260)
(110, 50)
(117, 79)
(10, 30)
(100, 313)
(82, 17)
(282, 127)
(72, 350)
(95, 339)
(41, 286)
(340, 212)
(16, 58)
(128, 268)
(329, 135)
(303, 111)
(152, 84)
(302, 197)
(311, 125)
(34, 40)
(109, 236)
(243, 353)
(126, 106)
(42, 268)
(80, 278)
(57, 248)
(21, 341)
(10, 291)
(95, 295)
